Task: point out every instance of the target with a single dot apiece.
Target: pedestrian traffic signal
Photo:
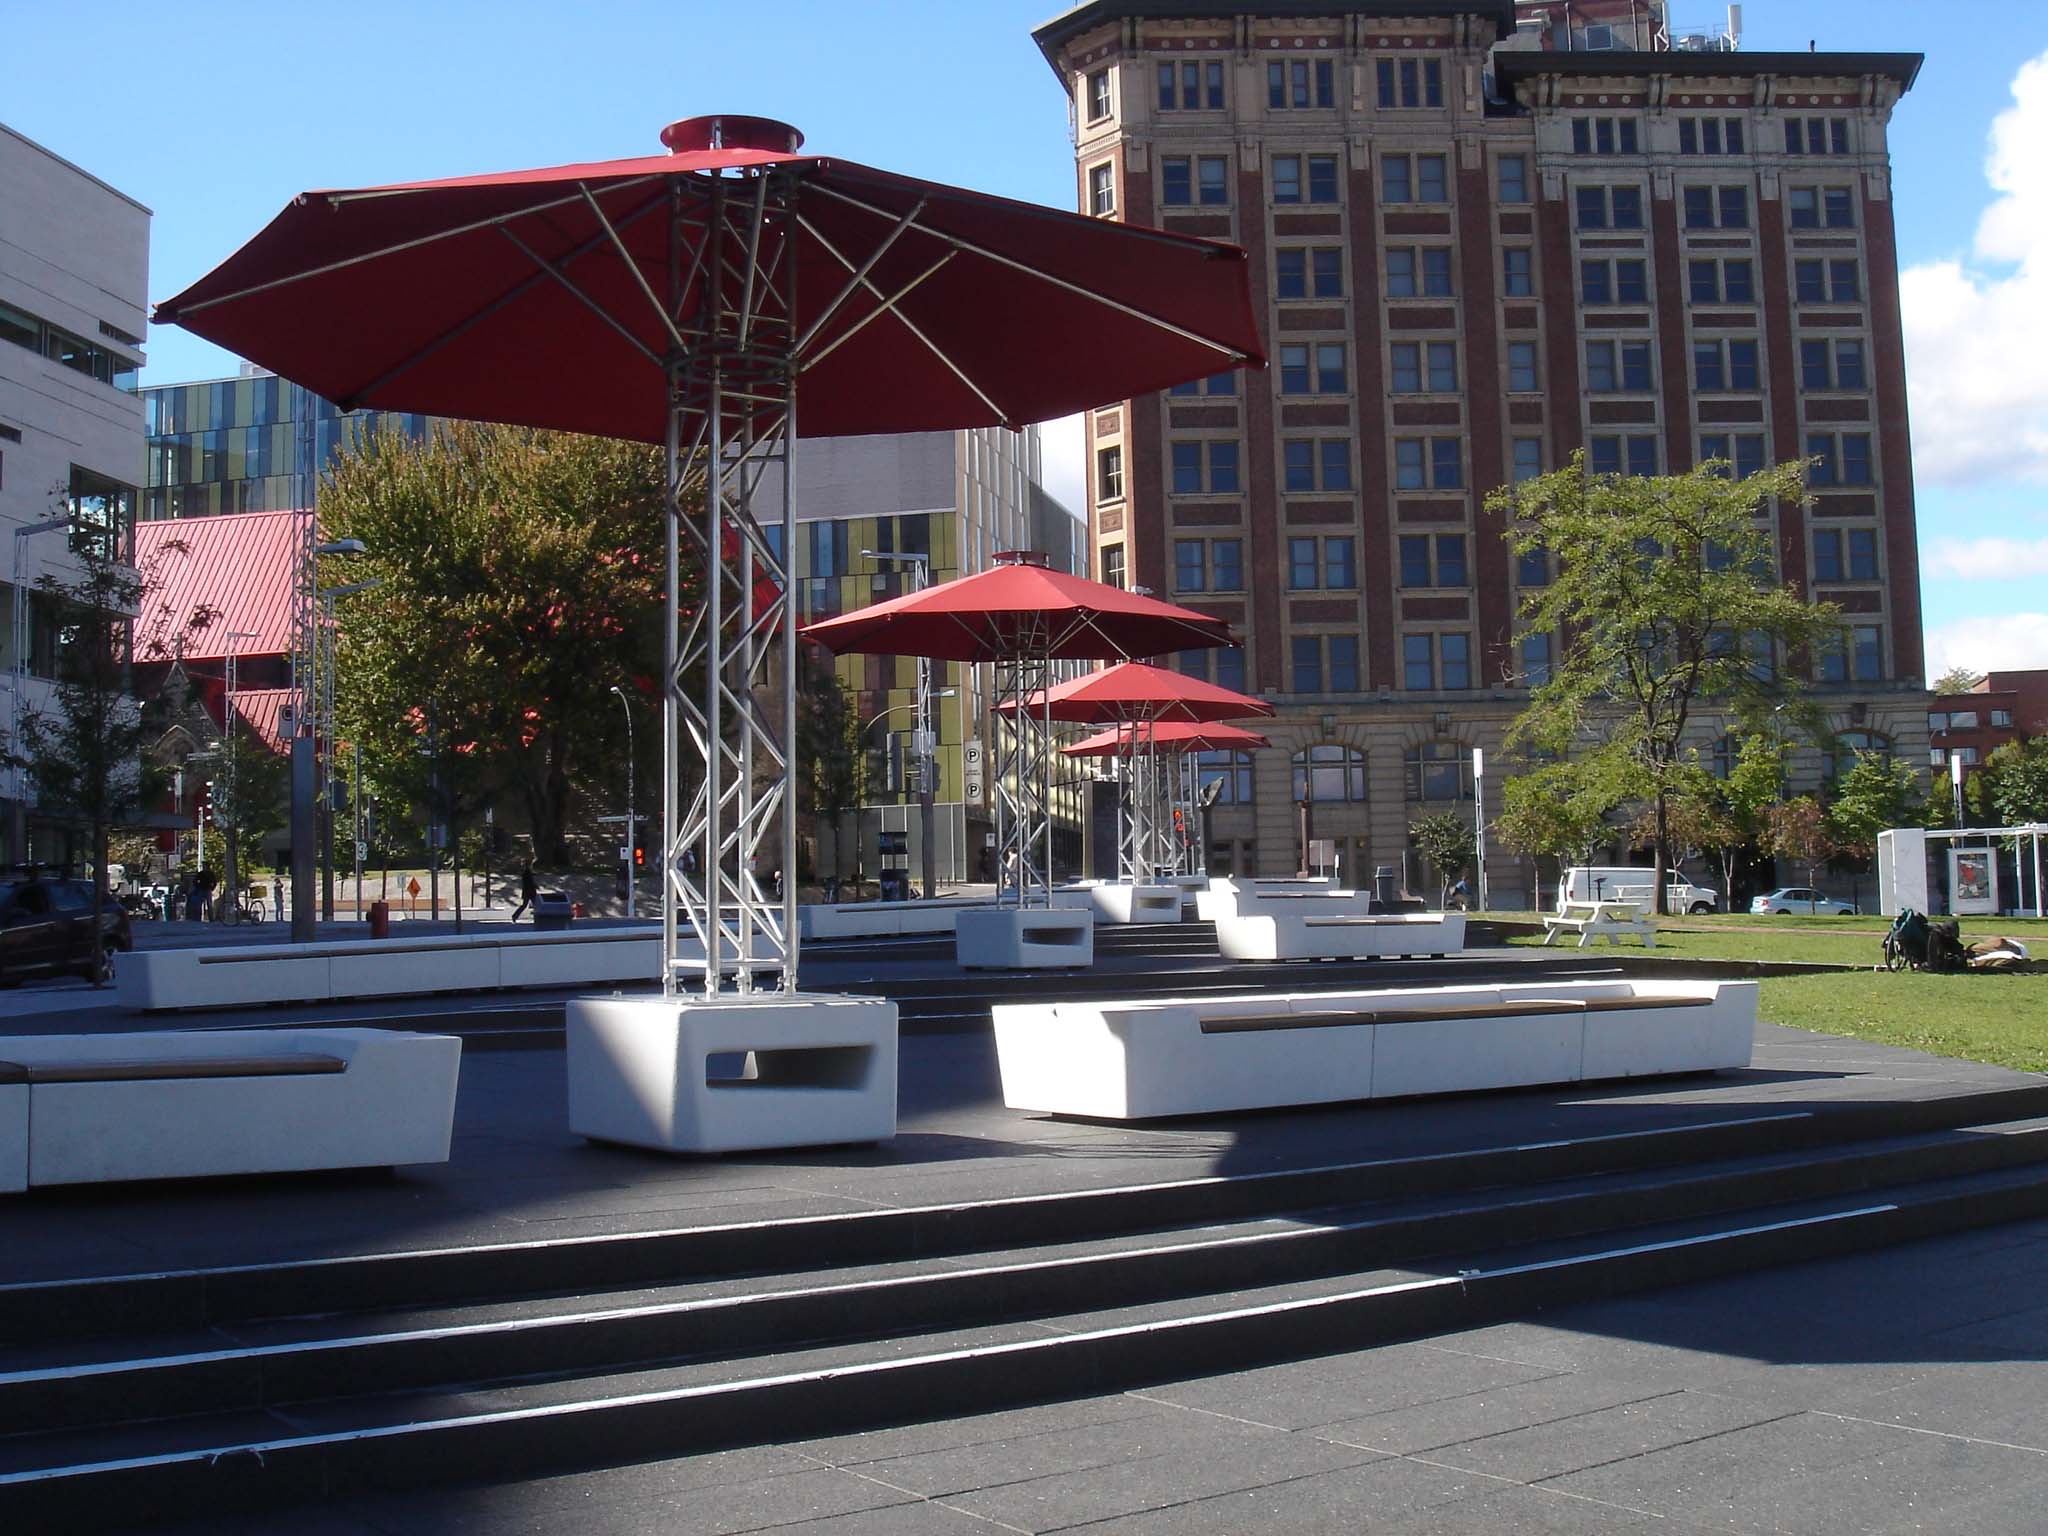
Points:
(639, 856)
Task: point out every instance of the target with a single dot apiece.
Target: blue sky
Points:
(215, 114)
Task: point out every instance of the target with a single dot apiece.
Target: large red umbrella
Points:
(1021, 605)
(530, 296)
(695, 298)
(1167, 736)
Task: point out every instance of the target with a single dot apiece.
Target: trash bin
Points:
(895, 884)
(552, 911)
(1384, 895)
(380, 919)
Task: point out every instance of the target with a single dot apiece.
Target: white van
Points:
(1632, 882)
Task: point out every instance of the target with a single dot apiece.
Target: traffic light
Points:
(639, 856)
(1180, 823)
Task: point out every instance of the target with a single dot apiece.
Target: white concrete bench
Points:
(79, 1109)
(823, 921)
(1313, 931)
(1590, 919)
(242, 975)
(1122, 901)
(1135, 1060)
(772, 1069)
(1025, 939)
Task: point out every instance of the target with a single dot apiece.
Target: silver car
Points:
(1788, 899)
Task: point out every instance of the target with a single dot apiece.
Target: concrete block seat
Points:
(1025, 939)
(745, 1073)
(1141, 1059)
(1304, 927)
(244, 975)
(825, 921)
(1122, 901)
(80, 1109)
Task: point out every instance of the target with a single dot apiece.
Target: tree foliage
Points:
(1446, 839)
(521, 578)
(1956, 680)
(832, 777)
(1667, 591)
(1797, 829)
(1560, 809)
(2012, 784)
(85, 749)
(1877, 793)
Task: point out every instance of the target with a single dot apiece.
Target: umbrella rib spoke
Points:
(975, 249)
(639, 277)
(548, 270)
(903, 225)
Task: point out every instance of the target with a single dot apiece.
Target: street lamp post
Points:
(23, 640)
(923, 743)
(923, 705)
(632, 879)
(231, 838)
(330, 597)
(1479, 818)
(308, 793)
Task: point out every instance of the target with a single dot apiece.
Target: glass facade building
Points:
(247, 444)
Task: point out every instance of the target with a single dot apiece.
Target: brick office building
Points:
(1477, 253)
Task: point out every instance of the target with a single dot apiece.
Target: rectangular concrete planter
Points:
(744, 1073)
(1031, 938)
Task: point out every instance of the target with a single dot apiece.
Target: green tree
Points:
(1956, 680)
(85, 749)
(1560, 810)
(251, 785)
(1668, 591)
(1877, 793)
(2012, 783)
(1741, 806)
(1797, 829)
(1445, 839)
(521, 576)
(832, 782)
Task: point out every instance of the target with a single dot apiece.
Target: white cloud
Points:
(1977, 325)
(2001, 642)
(1985, 559)
(1065, 447)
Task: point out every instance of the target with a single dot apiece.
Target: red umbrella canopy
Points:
(1137, 691)
(530, 296)
(1023, 607)
(1167, 736)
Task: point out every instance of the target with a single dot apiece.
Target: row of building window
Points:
(1428, 272)
(1939, 721)
(62, 347)
(1211, 466)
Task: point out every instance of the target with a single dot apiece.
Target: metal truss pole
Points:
(1023, 743)
(729, 711)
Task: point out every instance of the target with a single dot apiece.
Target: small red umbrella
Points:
(1139, 691)
(1021, 607)
(1167, 736)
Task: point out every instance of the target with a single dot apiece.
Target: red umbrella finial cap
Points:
(1037, 557)
(730, 131)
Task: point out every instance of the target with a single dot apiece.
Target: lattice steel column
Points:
(1023, 764)
(729, 707)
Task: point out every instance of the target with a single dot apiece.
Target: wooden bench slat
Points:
(1253, 1023)
(13, 1072)
(1481, 1010)
(1614, 1004)
(167, 1069)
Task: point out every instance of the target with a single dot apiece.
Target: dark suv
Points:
(46, 928)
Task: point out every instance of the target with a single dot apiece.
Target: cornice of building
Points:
(1512, 65)
(1052, 36)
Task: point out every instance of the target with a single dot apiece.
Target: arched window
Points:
(1849, 745)
(1439, 770)
(1233, 770)
(1329, 773)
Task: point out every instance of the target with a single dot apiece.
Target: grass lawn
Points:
(1997, 1018)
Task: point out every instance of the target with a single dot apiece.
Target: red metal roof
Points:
(263, 708)
(235, 574)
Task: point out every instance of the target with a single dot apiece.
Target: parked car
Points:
(46, 929)
(1788, 899)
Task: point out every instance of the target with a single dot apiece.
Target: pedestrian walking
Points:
(529, 888)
